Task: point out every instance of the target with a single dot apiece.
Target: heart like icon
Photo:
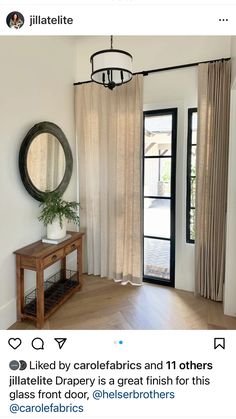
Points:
(14, 342)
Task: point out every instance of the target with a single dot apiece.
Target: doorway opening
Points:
(159, 174)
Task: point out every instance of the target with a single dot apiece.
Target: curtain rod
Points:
(158, 70)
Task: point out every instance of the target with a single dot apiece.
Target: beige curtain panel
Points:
(211, 177)
(109, 135)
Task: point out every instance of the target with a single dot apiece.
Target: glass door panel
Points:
(157, 140)
(157, 217)
(157, 258)
(157, 176)
(159, 195)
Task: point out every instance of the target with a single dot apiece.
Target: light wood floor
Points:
(103, 304)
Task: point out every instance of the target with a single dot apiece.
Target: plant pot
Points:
(55, 231)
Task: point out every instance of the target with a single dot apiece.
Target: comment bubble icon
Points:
(37, 344)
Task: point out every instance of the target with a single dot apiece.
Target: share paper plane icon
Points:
(60, 341)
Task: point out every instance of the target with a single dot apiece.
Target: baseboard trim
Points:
(8, 314)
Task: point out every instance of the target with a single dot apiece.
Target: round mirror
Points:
(45, 160)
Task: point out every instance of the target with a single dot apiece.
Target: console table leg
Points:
(40, 298)
(63, 268)
(20, 288)
(79, 263)
(79, 260)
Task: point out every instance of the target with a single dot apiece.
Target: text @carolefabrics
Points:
(75, 387)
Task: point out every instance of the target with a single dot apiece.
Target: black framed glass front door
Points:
(159, 173)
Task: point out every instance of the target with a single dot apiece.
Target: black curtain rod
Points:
(158, 70)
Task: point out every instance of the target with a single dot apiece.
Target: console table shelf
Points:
(39, 304)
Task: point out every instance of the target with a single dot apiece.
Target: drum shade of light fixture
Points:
(111, 67)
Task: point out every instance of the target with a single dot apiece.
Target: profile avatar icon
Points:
(15, 20)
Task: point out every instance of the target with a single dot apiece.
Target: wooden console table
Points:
(50, 294)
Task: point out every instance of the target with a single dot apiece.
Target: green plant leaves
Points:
(54, 206)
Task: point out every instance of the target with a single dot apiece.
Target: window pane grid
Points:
(157, 197)
(191, 174)
(157, 238)
(158, 157)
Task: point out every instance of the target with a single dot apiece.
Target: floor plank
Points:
(105, 305)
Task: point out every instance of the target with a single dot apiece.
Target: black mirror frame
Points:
(40, 128)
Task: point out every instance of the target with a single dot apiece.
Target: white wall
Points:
(176, 88)
(230, 275)
(36, 84)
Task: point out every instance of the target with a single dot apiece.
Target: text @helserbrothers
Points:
(58, 386)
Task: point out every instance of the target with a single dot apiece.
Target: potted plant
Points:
(54, 214)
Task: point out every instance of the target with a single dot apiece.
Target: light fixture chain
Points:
(111, 41)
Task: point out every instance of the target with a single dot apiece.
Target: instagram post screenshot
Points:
(118, 209)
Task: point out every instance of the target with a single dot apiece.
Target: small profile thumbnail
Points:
(15, 20)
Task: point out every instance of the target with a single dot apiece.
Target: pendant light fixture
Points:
(111, 67)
